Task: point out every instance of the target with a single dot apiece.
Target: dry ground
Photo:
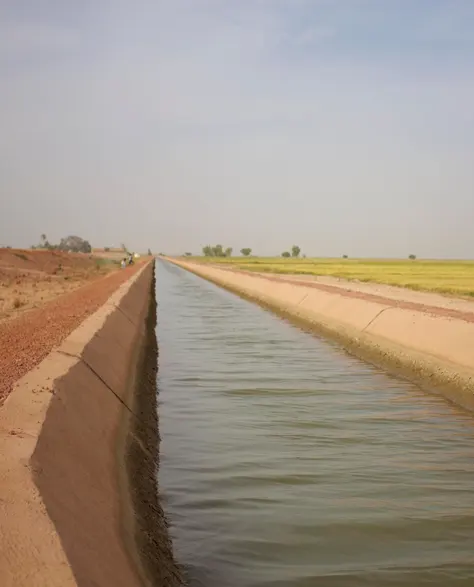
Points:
(26, 337)
(28, 279)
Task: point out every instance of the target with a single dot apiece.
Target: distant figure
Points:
(130, 259)
(123, 263)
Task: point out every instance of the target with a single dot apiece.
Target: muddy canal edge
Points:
(413, 345)
(79, 451)
(151, 543)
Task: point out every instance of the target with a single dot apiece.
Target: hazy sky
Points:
(344, 126)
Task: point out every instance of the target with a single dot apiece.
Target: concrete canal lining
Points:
(434, 351)
(78, 457)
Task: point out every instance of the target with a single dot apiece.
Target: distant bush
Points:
(286, 254)
(345, 257)
(216, 251)
(412, 257)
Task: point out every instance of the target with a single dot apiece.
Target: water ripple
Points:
(286, 462)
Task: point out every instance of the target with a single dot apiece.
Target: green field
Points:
(448, 277)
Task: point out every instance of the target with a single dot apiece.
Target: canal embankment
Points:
(432, 347)
(79, 453)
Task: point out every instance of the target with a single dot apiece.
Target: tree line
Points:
(220, 251)
(216, 251)
(73, 244)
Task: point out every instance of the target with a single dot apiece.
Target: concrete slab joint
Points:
(69, 512)
(430, 345)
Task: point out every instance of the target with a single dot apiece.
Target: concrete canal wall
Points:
(78, 456)
(432, 350)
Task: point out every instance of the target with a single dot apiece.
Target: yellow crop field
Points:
(448, 277)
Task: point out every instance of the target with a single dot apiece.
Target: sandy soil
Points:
(398, 297)
(28, 279)
(26, 339)
(391, 292)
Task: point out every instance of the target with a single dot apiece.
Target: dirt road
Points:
(397, 297)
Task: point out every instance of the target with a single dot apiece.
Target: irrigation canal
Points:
(287, 463)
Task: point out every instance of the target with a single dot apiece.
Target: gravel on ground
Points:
(26, 340)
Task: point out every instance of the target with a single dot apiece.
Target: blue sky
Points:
(345, 126)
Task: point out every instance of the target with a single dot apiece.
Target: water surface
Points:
(287, 463)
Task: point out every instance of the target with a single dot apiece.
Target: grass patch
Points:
(103, 263)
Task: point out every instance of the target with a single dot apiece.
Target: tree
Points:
(286, 254)
(188, 254)
(218, 251)
(246, 252)
(44, 243)
(74, 244)
(345, 257)
(412, 257)
(295, 251)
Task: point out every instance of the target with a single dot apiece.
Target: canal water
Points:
(287, 463)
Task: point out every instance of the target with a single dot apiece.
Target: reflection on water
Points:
(286, 462)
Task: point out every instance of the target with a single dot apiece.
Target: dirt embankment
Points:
(29, 279)
(27, 339)
(428, 342)
(78, 457)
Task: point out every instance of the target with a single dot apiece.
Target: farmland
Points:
(446, 277)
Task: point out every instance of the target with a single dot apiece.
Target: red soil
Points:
(27, 339)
